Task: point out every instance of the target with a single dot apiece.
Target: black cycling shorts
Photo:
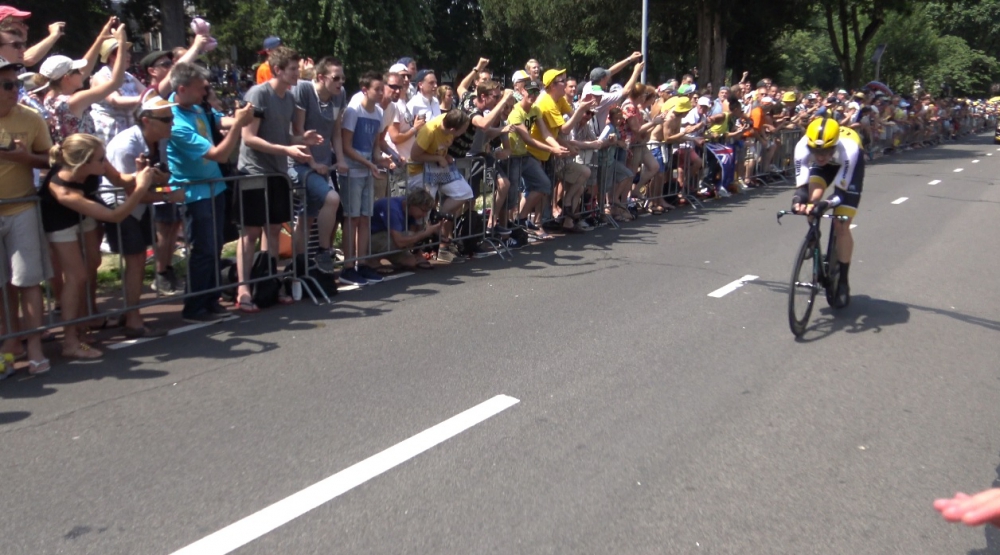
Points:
(850, 197)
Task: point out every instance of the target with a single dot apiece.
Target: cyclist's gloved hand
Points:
(820, 207)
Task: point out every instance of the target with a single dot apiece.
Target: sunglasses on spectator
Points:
(394, 87)
(334, 78)
(8, 85)
(18, 45)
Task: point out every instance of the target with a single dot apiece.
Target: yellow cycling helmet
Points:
(822, 134)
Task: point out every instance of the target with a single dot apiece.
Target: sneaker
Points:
(370, 274)
(513, 244)
(530, 225)
(500, 231)
(582, 224)
(350, 276)
(176, 282)
(483, 250)
(450, 255)
(723, 193)
(203, 317)
(164, 285)
(324, 261)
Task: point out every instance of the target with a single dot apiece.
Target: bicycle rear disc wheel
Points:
(803, 287)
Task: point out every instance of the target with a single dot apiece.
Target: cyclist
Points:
(827, 155)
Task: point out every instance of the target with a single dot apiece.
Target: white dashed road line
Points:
(723, 291)
(854, 226)
(935, 182)
(901, 200)
(256, 525)
(975, 161)
(958, 170)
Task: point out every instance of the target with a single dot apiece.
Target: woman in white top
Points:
(116, 112)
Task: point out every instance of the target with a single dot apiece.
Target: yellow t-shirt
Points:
(519, 116)
(17, 180)
(551, 113)
(433, 139)
(719, 129)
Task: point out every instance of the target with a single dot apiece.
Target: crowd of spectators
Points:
(139, 161)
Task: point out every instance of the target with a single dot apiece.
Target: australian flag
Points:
(725, 158)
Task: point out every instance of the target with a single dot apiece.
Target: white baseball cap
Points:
(704, 101)
(519, 75)
(156, 103)
(56, 67)
(399, 68)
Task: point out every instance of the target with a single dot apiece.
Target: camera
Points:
(258, 112)
(161, 166)
(435, 217)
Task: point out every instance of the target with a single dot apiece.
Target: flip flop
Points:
(36, 367)
(247, 307)
(84, 352)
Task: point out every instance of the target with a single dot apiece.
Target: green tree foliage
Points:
(84, 18)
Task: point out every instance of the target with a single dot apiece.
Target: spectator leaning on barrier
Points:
(71, 209)
(267, 146)
(116, 112)
(486, 115)
(192, 156)
(602, 77)
(144, 143)
(432, 167)
(466, 89)
(524, 165)
(552, 128)
(395, 224)
(360, 136)
(68, 102)
(320, 105)
(24, 260)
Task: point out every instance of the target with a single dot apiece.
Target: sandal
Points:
(246, 306)
(285, 300)
(36, 367)
(84, 352)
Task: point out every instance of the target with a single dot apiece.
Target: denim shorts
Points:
(317, 187)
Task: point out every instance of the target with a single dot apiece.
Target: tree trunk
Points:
(711, 44)
(173, 23)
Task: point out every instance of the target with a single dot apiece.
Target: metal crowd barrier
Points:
(89, 314)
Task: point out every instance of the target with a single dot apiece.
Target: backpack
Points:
(265, 292)
(470, 224)
(228, 277)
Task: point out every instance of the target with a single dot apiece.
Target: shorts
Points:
(136, 235)
(72, 233)
(458, 189)
(167, 213)
(316, 186)
(530, 170)
(356, 196)
(381, 242)
(850, 196)
(658, 155)
(24, 255)
(573, 173)
(684, 157)
(259, 209)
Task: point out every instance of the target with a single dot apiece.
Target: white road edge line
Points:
(935, 182)
(723, 291)
(853, 226)
(901, 200)
(175, 331)
(958, 170)
(244, 531)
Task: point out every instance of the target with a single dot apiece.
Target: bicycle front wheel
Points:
(804, 286)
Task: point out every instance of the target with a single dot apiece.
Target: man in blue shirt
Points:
(392, 221)
(194, 157)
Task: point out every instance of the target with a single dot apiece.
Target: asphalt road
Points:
(652, 418)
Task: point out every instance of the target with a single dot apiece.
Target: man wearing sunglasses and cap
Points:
(144, 143)
(14, 33)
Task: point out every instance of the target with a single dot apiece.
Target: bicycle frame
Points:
(824, 274)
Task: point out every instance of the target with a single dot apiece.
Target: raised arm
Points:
(36, 53)
(463, 87)
(84, 98)
(634, 57)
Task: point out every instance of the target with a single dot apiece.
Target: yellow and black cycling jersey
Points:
(845, 171)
